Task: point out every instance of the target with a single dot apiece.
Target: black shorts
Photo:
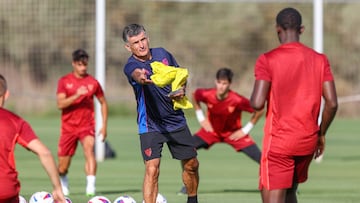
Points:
(180, 144)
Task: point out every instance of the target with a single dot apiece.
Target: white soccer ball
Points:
(68, 200)
(22, 199)
(159, 199)
(41, 197)
(99, 199)
(124, 199)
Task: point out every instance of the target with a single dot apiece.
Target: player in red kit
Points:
(75, 97)
(14, 130)
(223, 123)
(291, 78)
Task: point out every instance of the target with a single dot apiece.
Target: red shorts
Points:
(278, 171)
(211, 138)
(68, 141)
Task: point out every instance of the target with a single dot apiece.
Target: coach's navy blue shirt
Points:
(154, 107)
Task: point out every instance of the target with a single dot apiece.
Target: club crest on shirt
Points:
(148, 152)
(69, 85)
(231, 109)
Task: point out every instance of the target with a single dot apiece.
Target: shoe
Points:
(90, 191)
(182, 191)
(65, 190)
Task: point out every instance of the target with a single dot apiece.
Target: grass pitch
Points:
(225, 176)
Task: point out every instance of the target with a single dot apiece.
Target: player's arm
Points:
(64, 102)
(48, 163)
(204, 121)
(140, 76)
(245, 130)
(104, 114)
(259, 94)
(330, 108)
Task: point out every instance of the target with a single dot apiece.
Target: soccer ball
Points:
(124, 199)
(41, 197)
(22, 199)
(159, 199)
(68, 200)
(99, 199)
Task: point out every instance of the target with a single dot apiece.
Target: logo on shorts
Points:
(148, 152)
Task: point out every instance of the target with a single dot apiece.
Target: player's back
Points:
(296, 87)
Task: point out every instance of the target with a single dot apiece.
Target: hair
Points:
(80, 55)
(3, 85)
(132, 30)
(225, 74)
(289, 18)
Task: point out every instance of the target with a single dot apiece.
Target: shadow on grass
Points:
(110, 192)
(229, 191)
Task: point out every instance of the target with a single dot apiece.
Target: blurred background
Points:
(37, 38)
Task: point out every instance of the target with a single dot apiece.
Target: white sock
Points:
(90, 180)
(64, 181)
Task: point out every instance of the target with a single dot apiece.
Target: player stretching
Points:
(16, 130)
(291, 78)
(75, 97)
(223, 121)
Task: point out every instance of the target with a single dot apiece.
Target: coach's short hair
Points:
(289, 18)
(80, 55)
(132, 30)
(224, 74)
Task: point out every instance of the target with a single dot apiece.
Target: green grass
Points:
(225, 176)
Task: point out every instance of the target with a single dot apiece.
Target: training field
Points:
(225, 176)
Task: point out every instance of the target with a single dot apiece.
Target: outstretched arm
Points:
(140, 76)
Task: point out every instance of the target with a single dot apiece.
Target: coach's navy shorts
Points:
(180, 144)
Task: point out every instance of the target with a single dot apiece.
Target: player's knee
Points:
(191, 165)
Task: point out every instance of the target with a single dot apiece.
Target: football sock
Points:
(192, 199)
(90, 185)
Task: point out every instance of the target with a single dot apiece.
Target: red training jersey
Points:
(224, 115)
(80, 114)
(13, 129)
(296, 74)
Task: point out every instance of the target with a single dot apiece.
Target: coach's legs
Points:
(191, 175)
(150, 184)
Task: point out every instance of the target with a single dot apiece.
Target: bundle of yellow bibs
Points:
(164, 75)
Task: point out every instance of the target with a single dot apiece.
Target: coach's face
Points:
(139, 46)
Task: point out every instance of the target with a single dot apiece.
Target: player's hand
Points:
(177, 94)
(320, 147)
(102, 134)
(58, 196)
(237, 135)
(82, 90)
(207, 125)
(141, 76)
